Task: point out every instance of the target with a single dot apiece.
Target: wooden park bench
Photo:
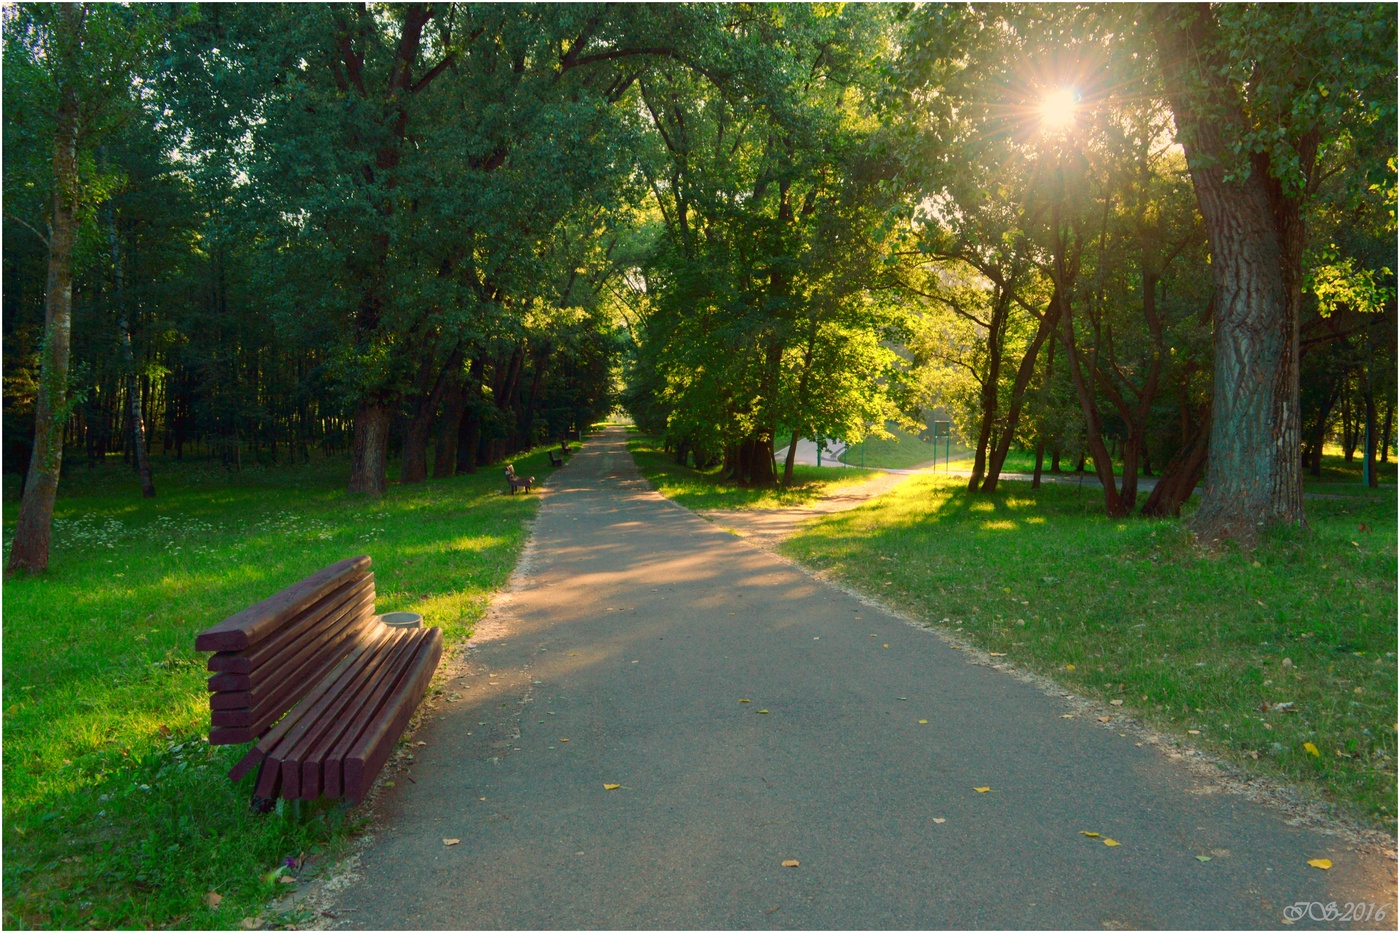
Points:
(320, 683)
(518, 482)
(555, 459)
(564, 447)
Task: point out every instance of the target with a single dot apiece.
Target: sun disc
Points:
(1057, 108)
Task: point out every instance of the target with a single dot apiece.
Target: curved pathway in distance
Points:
(635, 633)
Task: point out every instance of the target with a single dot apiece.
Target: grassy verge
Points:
(1130, 610)
(705, 489)
(117, 811)
(900, 452)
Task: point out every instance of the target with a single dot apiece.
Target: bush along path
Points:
(669, 728)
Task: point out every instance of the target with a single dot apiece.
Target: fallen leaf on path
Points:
(1311, 749)
(211, 900)
(939, 819)
(611, 786)
(790, 863)
(1115, 702)
(886, 646)
(1085, 832)
(996, 654)
(981, 790)
(1066, 715)
(420, 744)
(450, 842)
(1111, 842)
(923, 722)
(763, 712)
(563, 740)
(746, 701)
(1105, 718)
(1203, 858)
(1322, 863)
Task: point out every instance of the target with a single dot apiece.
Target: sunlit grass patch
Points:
(117, 811)
(1188, 641)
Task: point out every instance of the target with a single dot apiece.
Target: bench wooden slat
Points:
(375, 745)
(249, 659)
(261, 619)
(278, 695)
(316, 764)
(301, 717)
(387, 661)
(277, 669)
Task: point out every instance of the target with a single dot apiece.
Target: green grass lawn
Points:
(706, 489)
(1131, 610)
(900, 452)
(117, 813)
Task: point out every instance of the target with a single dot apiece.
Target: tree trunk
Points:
(133, 394)
(1018, 394)
(1385, 431)
(790, 461)
(1000, 311)
(1253, 475)
(369, 452)
(469, 431)
(1370, 441)
(1182, 474)
(445, 456)
(1039, 462)
(1055, 459)
(30, 548)
(414, 468)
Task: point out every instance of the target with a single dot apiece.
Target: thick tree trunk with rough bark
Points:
(791, 460)
(1254, 475)
(30, 549)
(454, 404)
(369, 452)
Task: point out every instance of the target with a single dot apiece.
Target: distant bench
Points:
(347, 683)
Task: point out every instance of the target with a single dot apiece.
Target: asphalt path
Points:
(635, 634)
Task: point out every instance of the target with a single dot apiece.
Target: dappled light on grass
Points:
(1193, 642)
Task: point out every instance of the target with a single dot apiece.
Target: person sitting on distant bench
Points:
(517, 482)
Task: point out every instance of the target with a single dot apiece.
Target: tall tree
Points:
(79, 59)
(1263, 95)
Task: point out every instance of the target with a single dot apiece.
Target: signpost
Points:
(943, 429)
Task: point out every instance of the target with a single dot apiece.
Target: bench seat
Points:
(319, 682)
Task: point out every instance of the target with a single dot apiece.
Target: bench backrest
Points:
(269, 655)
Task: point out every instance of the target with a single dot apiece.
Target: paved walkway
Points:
(637, 630)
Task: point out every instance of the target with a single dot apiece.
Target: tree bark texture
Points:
(369, 452)
(30, 548)
(1254, 475)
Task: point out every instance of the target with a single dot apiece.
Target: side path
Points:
(638, 630)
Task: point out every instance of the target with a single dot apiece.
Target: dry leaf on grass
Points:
(611, 786)
(450, 842)
(1311, 749)
(790, 863)
(996, 654)
(1322, 863)
(1193, 731)
(211, 900)
(1115, 702)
